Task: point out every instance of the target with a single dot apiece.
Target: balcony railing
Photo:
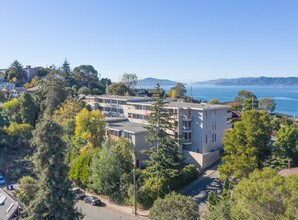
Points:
(186, 129)
(186, 141)
(186, 118)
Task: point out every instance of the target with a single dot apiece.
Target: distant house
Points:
(7, 85)
(9, 206)
(1, 76)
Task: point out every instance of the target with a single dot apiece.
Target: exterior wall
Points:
(201, 160)
(140, 143)
(214, 125)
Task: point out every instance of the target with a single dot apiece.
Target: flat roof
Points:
(185, 105)
(124, 98)
(128, 126)
(199, 106)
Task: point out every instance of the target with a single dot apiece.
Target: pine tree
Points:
(55, 93)
(66, 71)
(164, 156)
(54, 199)
(27, 109)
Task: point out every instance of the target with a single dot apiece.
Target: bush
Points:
(187, 175)
(174, 206)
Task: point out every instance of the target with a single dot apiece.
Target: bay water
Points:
(286, 97)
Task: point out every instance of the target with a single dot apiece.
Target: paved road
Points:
(200, 188)
(104, 213)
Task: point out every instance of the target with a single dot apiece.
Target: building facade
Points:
(199, 127)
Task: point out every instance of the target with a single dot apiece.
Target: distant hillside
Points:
(152, 82)
(253, 81)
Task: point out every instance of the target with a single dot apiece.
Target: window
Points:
(206, 138)
(114, 101)
(215, 137)
(212, 138)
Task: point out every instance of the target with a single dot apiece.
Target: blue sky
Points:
(178, 40)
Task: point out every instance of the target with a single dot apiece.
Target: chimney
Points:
(289, 164)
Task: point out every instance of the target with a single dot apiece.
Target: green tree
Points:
(249, 104)
(55, 92)
(2, 97)
(174, 207)
(117, 89)
(287, 143)
(213, 101)
(213, 199)
(129, 79)
(106, 171)
(85, 75)
(177, 91)
(222, 211)
(15, 72)
(66, 71)
(246, 145)
(79, 168)
(27, 189)
(19, 134)
(266, 195)
(164, 156)
(28, 109)
(268, 104)
(276, 161)
(244, 94)
(54, 199)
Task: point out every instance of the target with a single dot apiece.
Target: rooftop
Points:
(123, 98)
(8, 205)
(287, 172)
(199, 106)
(128, 126)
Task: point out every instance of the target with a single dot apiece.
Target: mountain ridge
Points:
(252, 81)
(150, 81)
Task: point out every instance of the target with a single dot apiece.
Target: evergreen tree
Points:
(55, 92)
(246, 145)
(66, 71)
(287, 142)
(174, 207)
(164, 156)
(27, 109)
(54, 199)
(14, 72)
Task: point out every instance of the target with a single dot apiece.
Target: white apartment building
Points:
(199, 127)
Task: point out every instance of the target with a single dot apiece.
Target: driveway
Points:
(104, 213)
(200, 188)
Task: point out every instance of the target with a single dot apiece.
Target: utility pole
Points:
(134, 182)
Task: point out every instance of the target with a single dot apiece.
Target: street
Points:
(200, 188)
(104, 213)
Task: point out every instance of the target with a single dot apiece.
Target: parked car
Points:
(78, 193)
(92, 200)
(2, 181)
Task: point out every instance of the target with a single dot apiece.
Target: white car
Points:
(2, 180)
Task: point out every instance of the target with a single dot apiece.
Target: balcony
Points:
(186, 129)
(186, 118)
(186, 141)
